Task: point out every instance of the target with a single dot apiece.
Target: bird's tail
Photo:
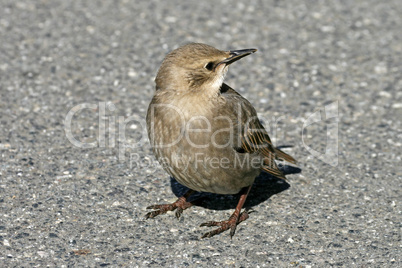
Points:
(282, 155)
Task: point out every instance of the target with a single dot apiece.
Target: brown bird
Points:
(205, 134)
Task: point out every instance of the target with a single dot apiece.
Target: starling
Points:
(204, 133)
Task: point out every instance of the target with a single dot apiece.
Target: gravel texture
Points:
(64, 205)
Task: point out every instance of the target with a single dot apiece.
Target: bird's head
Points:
(196, 67)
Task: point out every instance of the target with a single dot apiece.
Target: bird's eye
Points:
(209, 66)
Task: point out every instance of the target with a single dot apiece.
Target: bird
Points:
(205, 134)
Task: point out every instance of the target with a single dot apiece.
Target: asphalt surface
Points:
(77, 172)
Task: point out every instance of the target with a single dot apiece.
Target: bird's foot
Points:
(180, 205)
(231, 224)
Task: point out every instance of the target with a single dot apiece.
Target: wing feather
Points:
(256, 138)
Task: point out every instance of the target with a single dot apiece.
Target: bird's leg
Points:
(180, 205)
(233, 220)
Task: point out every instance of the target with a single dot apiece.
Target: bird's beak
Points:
(235, 55)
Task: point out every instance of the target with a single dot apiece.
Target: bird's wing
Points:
(258, 136)
(255, 138)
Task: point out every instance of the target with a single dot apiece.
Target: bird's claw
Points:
(179, 206)
(231, 224)
(159, 209)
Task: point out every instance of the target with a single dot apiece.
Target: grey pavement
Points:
(77, 172)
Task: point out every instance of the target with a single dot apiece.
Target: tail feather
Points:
(282, 155)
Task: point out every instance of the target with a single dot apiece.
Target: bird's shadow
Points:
(265, 186)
